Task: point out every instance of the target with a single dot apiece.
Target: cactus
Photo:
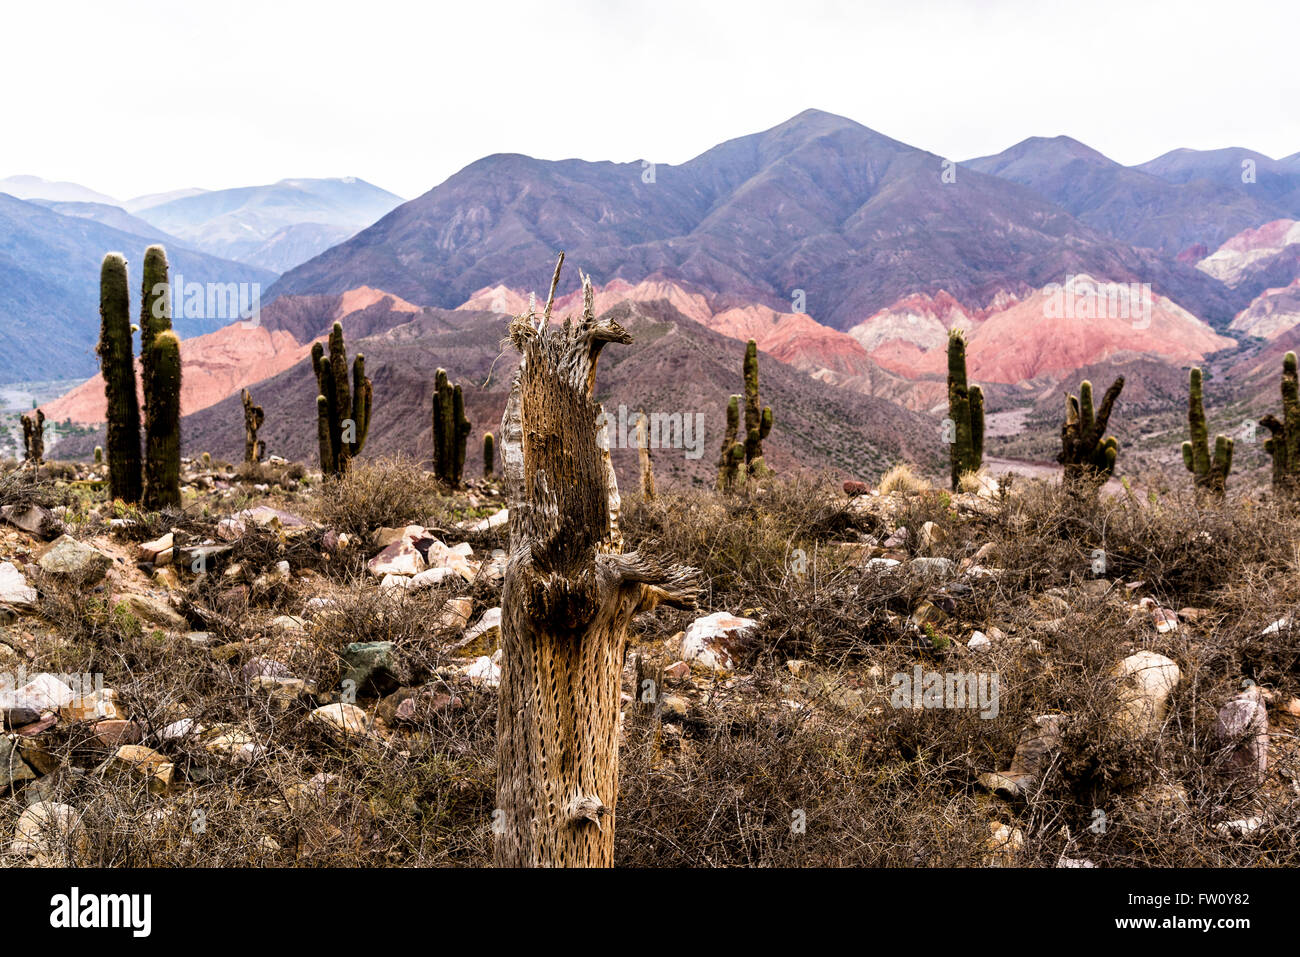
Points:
(99, 455)
(160, 374)
(966, 412)
(118, 367)
(489, 453)
(1088, 458)
(1284, 445)
(450, 430)
(733, 450)
(643, 451)
(1209, 473)
(342, 414)
(34, 439)
(253, 419)
(162, 487)
(207, 460)
(757, 423)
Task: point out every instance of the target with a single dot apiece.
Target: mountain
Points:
(1256, 259)
(157, 199)
(1274, 181)
(221, 363)
(1272, 313)
(675, 366)
(49, 288)
(1131, 205)
(33, 187)
(818, 205)
(248, 224)
(1049, 332)
(114, 216)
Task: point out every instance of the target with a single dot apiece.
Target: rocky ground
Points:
(290, 671)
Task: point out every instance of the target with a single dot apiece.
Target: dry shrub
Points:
(378, 492)
(902, 478)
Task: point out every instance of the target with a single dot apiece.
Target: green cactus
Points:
(162, 487)
(99, 455)
(733, 450)
(1284, 445)
(160, 374)
(1089, 459)
(1209, 473)
(966, 412)
(758, 423)
(342, 414)
(34, 439)
(489, 454)
(253, 419)
(117, 364)
(450, 430)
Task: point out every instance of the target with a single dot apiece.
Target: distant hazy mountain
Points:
(819, 204)
(1275, 181)
(114, 216)
(157, 199)
(33, 187)
(49, 288)
(1130, 204)
(249, 224)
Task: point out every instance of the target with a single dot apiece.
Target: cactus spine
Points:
(1208, 472)
(34, 438)
(118, 368)
(758, 423)
(966, 412)
(643, 451)
(733, 450)
(342, 414)
(253, 419)
(1284, 445)
(489, 454)
(450, 429)
(160, 372)
(1088, 458)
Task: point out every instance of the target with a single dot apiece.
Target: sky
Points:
(138, 96)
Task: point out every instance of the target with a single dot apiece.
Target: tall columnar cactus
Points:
(733, 450)
(643, 452)
(117, 364)
(1089, 459)
(450, 430)
(34, 438)
(1284, 445)
(1208, 472)
(965, 411)
(758, 422)
(253, 419)
(489, 455)
(162, 486)
(342, 414)
(160, 373)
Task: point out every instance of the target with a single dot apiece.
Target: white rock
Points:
(14, 589)
(495, 520)
(1146, 681)
(486, 671)
(978, 640)
(714, 640)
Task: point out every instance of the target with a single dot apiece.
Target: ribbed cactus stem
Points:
(1286, 432)
(1209, 472)
(254, 416)
(489, 454)
(733, 450)
(450, 429)
(758, 419)
(117, 364)
(34, 439)
(643, 453)
(162, 487)
(966, 413)
(342, 413)
(1088, 457)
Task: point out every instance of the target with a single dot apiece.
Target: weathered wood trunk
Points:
(569, 594)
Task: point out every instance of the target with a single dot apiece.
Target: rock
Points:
(18, 717)
(1005, 843)
(98, 703)
(371, 667)
(1242, 729)
(35, 520)
(716, 641)
(204, 559)
(288, 623)
(853, 488)
(1146, 681)
(231, 744)
(44, 692)
(493, 521)
(341, 720)
(483, 635)
(14, 589)
(49, 834)
(201, 639)
(66, 557)
(485, 671)
(137, 759)
(231, 529)
(673, 708)
(934, 567)
(282, 692)
(13, 769)
(978, 640)
(1165, 620)
(1033, 751)
(881, 564)
(155, 611)
(430, 577)
(265, 668)
(115, 732)
(157, 552)
(679, 670)
(264, 516)
(931, 535)
(454, 613)
(384, 537)
(399, 558)
(898, 539)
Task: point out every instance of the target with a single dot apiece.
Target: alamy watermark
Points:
(977, 690)
(665, 430)
(227, 301)
(1082, 297)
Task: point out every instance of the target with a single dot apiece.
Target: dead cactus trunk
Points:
(569, 594)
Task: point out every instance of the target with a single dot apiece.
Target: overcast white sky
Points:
(135, 97)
